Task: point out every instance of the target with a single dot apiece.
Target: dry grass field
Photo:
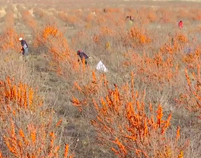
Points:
(148, 104)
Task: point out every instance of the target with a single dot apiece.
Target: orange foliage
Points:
(18, 93)
(159, 69)
(33, 142)
(50, 31)
(9, 40)
(57, 46)
(176, 44)
(138, 37)
(55, 41)
(92, 89)
(192, 98)
(26, 139)
(192, 58)
(181, 38)
(123, 123)
(66, 152)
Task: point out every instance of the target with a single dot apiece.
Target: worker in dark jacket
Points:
(25, 48)
(82, 56)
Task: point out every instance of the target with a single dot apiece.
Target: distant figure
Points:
(173, 41)
(24, 45)
(188, 50)
(130, 18)
(180, 24)
(82, 56)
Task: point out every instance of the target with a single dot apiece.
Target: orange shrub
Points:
(181, 38)
(9, 37)
(192, 58)
(191, 99)
(159, 69)
(20, 94)
(176, 44)
(61, 58)
(89, 91)
(9, 40)
(138, 37)
(32, 137)
(32, 141)
(126, 125)
(52, 38)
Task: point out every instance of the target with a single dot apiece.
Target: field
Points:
(148, 104)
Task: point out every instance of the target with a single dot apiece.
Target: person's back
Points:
(82, 56)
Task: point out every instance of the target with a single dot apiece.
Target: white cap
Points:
(20, 38)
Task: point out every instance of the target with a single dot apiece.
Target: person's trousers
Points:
(25, 51)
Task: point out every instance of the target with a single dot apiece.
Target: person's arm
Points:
(85, 56)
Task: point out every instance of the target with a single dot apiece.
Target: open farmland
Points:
(148, 104)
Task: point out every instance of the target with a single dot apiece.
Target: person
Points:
(130, 18)
(82, 56)
(24, 45)
(180, 24)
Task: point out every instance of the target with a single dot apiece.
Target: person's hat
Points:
(20, 38)
(78, 51)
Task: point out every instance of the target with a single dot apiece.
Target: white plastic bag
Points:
(101, 67)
